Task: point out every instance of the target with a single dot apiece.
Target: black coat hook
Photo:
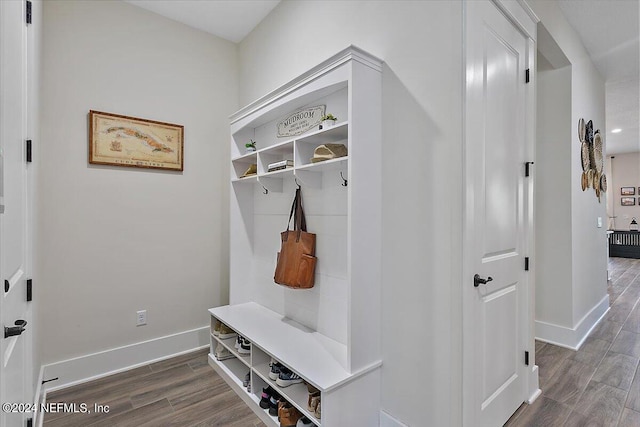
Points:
(344, 184)
(265, 190)
(296, 179)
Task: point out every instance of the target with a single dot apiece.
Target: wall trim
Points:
(387, 420)
(572, 338)
(97, 365)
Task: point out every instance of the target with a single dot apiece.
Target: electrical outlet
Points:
(142, 318)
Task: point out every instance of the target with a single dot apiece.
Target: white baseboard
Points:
(572, 338)
(93, 366)
(387, 420)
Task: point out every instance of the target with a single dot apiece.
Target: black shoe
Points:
(266, 394)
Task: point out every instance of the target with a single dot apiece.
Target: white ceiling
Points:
(610, 32)
(229, 19)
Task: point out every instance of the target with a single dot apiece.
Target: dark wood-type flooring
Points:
(183, 392)
(598, 385)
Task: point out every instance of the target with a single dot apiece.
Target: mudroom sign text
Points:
(300, 121)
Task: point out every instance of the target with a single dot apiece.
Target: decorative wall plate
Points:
(590, 178)
(584, 181)
(585, 156)
(581, 130)
(589, 132)
(597, 152)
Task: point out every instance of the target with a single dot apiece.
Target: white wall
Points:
(624, 172)
(115, 240)
(553, 200)
(588, 243)
(421, 45)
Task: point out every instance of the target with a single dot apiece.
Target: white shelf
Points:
(247, 179)
(313, 356)
(279, 173)
(245, 158)
(327, 165)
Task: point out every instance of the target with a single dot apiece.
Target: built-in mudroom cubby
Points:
(329, 334)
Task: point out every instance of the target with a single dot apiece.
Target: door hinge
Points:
(29, 289)
(28, 12)
(526, 263)
(526, 168)
(526, 76)
(29, 152)
(526, 358)
(29, 422)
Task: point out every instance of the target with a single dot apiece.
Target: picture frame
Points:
(118, 140)
(628, 191)
(628, 201)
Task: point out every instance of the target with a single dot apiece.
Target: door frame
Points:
(525, 21)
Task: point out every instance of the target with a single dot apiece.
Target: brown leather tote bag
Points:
(296, 260)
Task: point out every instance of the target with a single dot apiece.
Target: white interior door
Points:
(13, 222)
(495, 315)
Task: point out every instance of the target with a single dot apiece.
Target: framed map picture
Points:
(127, 141)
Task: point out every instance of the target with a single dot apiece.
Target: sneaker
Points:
(288, 377)
(237, 345)
(266, 395)
(304, 422)
(275, 369)
(245, 347)
(216, 327)
(247, 379)
(226, 332)
(222, 353)
(273, 403)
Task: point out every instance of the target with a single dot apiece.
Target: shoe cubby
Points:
(329, 334)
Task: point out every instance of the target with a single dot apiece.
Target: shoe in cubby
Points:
(274, 399)
(313, 402)
(266, 396)
(226, 332)
(216, 327)
(247, 379)
(244, 349)
(287, 377)
(289, 415)
(275, 369)
(222, 353)
(304, 422)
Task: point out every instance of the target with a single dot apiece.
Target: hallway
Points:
(599, 385)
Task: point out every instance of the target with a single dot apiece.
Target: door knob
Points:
(18, 329)
(477, 280)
